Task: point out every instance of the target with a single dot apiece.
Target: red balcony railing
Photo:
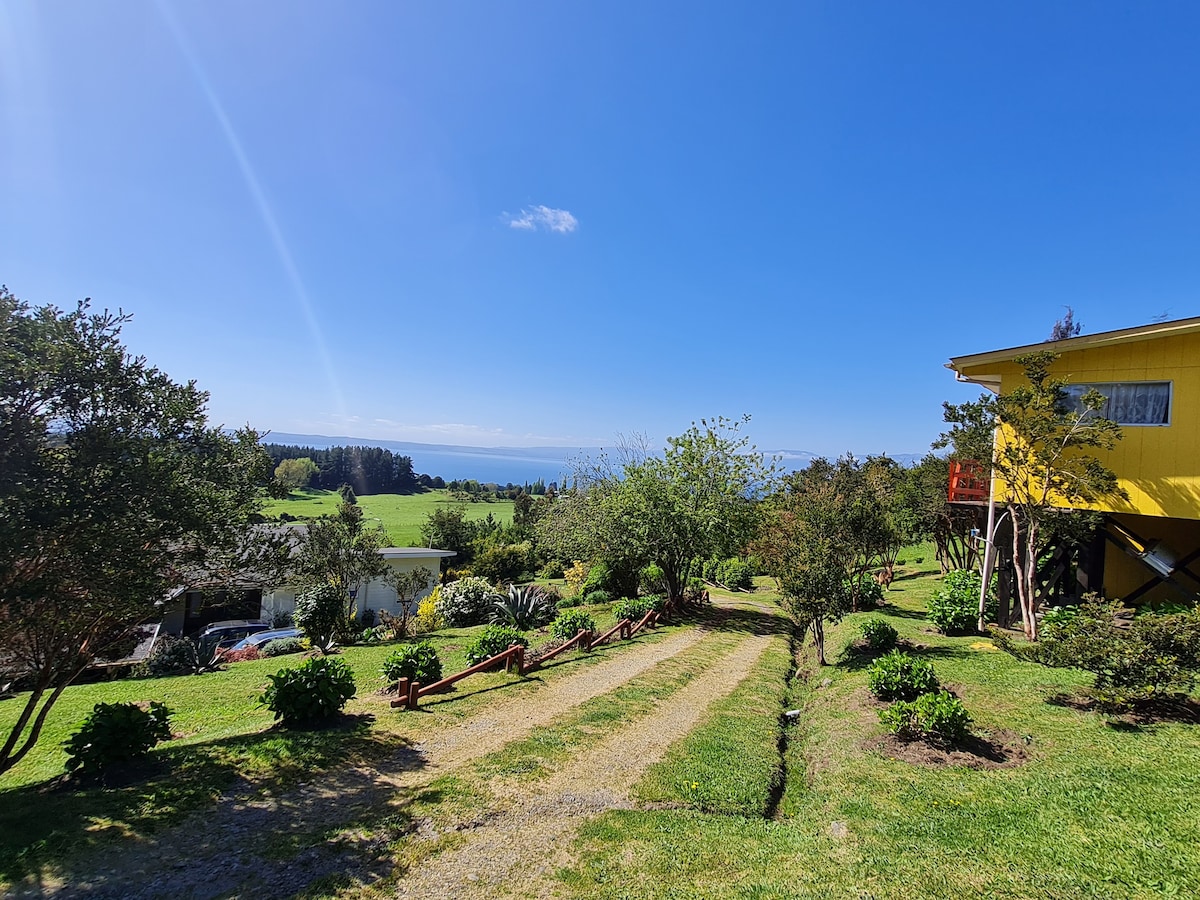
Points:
(968, 481)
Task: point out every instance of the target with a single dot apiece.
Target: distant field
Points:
(401, 515)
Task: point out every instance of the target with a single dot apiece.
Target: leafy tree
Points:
(295, 473)
(343, 552)
(113, 490)
(1040, 458)
(898, 493)
(693, 502)
(809, 546)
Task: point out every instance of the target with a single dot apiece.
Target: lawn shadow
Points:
(61, 823)
(740, 619)
(1148, 713)
(897, 611)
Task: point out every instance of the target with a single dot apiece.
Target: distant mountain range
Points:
(502, 464)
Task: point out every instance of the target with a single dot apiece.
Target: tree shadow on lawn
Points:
(897, 611)
(739, 618)
(56, 823)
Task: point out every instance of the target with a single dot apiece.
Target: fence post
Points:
(520, 660)
(413, 690)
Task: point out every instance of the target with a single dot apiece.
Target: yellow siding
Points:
(1159, 466)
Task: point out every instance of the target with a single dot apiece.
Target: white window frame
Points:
(1097, 385)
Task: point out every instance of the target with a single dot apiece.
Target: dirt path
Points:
(517, 853)
(224, 851)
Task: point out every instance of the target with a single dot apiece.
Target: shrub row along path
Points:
(227, 851)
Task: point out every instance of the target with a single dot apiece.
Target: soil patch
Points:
(1000, 750)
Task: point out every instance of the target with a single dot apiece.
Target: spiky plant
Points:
(524, 608)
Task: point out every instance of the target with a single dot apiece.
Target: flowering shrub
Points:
(467, 601)
(428, 618)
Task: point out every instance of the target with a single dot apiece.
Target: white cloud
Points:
(534, 218)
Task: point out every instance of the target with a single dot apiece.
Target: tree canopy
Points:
(113, 490)
(1042, 459)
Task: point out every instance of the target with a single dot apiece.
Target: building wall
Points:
(376, 594)
(1158, 465)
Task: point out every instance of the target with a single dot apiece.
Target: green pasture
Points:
(401, 515)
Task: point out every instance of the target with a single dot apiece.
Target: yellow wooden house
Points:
(1150, 543)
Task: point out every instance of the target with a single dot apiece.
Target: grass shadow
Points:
(49, 824)
(739, 619)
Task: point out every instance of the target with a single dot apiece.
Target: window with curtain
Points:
(1128, 402)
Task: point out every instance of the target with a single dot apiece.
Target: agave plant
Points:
(524, 608)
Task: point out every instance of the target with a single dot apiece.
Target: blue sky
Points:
(550, 223)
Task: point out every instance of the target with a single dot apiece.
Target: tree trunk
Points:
(818, 630)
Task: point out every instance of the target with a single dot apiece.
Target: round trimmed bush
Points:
(598, 596)
(416, 662)
(900, 676)
(879, 635)
(493, 640)
(569, 624)
(312, 692)
(282, 646)
(467, 601)
(939, 718)
(116, 733)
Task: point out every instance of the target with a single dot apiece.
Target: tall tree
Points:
(1040, 458)
(809, 546)
(343, 551)
(113, 490)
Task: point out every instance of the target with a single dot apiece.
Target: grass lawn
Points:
(401, 515)
(225, 739)
(1093, 810)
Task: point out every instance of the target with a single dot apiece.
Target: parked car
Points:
(223, 635)
(261, 637)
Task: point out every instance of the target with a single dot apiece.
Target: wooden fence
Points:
(409, 694)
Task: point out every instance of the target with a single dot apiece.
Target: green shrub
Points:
(651, 580)
(899, 676)
(312, 692)
(1153, 658)
(493, 640)
(172, 655)
(954, 609)
(599, 577)
(376, 634)
(505, 563)
(939, 718)
(116, 733)
(708, 569)
(552, 569)
(734, 574)
(634, 609)
(416, 662)
(598, 596)
(467, 601)
(569, 624)
(282, 647)
(320, 614)
(879, 635)
(523, 608)
(569, 603)
(869, 592)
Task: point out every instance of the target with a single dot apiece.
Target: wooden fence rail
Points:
(409, 693)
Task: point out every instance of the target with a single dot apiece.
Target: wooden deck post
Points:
(414, 691)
